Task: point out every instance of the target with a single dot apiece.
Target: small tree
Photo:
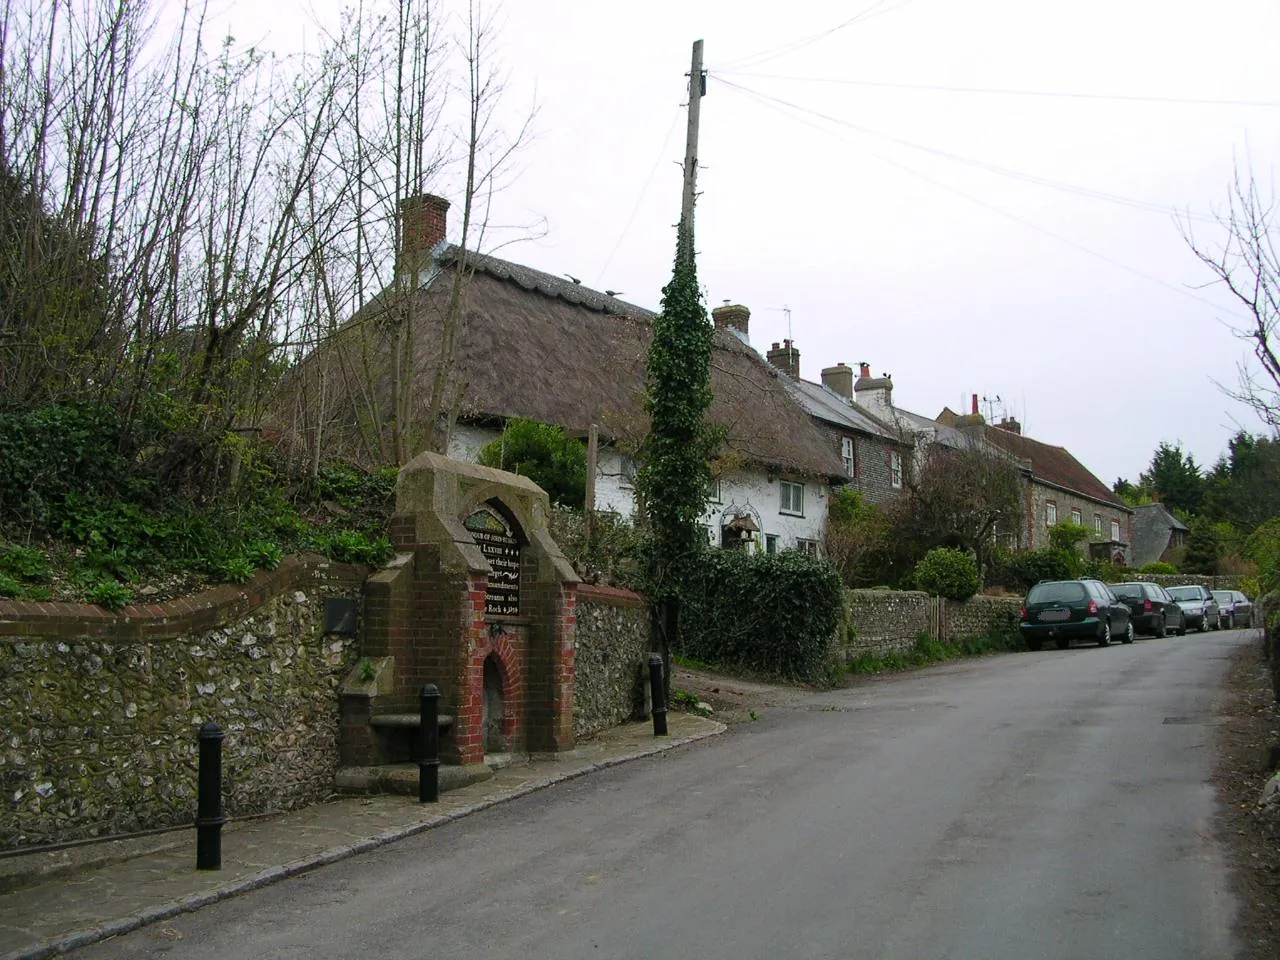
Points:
(1068, 536)
(545, 455)
(855, 536)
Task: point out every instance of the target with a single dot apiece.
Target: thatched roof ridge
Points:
(539, 346)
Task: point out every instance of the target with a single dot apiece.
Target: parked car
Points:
(1198, 605)
(1151, 608)
(1234, 608)
(1063, 610)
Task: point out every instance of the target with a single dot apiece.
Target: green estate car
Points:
(1066, 610)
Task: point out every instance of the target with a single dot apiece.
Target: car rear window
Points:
(1062, 592)
(1185, 593)
(1128, 590)
(1223, 596)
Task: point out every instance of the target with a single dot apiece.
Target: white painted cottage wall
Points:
(747, 490)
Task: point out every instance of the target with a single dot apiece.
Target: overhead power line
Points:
(1006, 91)
(995, 209)
(1076, 189)
(764, 56)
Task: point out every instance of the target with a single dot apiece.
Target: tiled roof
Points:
(832, 408)
(1054, 465)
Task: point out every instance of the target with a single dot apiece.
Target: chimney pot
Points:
(732, 315)
(839, 379)
(975, 404)
(786, 358)
(864, 370)
(424, 220)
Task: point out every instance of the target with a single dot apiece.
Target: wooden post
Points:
(589, 502)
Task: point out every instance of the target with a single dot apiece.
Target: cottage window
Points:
(849, 457)
(895, 470)
(1076, 518)
(1115, 530)
(791, 497)
(1050, 514)
(1097, 524)
(807, 546)
(713, 491)
(770, 543)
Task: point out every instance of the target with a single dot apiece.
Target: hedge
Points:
(776, 614)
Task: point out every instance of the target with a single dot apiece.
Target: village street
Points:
(1035, 805)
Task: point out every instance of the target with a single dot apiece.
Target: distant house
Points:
(543, 347)
(872, 453)
(1060, 487)
(1156, 532)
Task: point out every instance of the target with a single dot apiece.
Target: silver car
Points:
(1235, 609)
(1198, 606)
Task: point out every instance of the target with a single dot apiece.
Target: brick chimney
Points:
(786, 358)
(875, 393)
(1010, 424)
(974, 411)
(839, 379)
(424, 218)
(733, 315)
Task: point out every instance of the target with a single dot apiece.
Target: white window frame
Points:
(1097, 524)
(791, 498)
(849, 455)
(770, 543)
(1077, 518)
(1050, 514)
(895, 469)
(805, 545)
(1115, 530)
(713, 491)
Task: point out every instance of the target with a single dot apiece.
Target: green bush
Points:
(9, 587)
(945, 572)
(110, 594)
(1158, 566)
(774, 614)
(1066, 535)
(545, 455)
(23, 563)
(350, 546)
(1023, 570)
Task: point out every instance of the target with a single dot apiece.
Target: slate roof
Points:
(1055, 465)
(540, 346)
(1152, 525)
(830, 407)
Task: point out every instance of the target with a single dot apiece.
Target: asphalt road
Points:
(1049, 805)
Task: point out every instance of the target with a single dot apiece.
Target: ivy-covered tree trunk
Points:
(674, 477)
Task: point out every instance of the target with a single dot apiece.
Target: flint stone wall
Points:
(101, 711)
(881, 622)
(613, 644)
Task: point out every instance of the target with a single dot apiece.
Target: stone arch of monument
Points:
(476, 581)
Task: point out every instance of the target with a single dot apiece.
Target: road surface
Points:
(1048, 805)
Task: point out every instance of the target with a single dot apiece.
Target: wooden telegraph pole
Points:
(697, 88)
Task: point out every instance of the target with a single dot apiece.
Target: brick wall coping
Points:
(164, 621)
(614, 596)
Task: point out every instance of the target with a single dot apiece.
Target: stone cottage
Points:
(1156, 533)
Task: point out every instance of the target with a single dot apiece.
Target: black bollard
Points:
(658, 691)
(429, 765)
(209, 818)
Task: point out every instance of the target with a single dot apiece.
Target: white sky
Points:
(897, 268)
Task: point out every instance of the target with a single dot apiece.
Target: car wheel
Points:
(1163, 628)
(1128, 633)
(1063, 642)
(1182, 627)
(1033, 645)
(1217, 622)
(1204, 625)
(1105, 637)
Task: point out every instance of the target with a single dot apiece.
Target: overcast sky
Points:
(1085, 316)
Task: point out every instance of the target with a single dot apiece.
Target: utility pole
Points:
(697, 87)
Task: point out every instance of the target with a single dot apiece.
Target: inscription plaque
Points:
(501, 548)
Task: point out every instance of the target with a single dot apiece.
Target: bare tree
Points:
(1245, 258)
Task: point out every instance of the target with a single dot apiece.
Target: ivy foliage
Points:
(545, 455)
(674, 476)
(773, 614)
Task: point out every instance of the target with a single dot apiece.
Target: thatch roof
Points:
(539, 346)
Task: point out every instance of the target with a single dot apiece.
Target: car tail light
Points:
(1093, 607)
(1146, 606)
(1023, 614)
